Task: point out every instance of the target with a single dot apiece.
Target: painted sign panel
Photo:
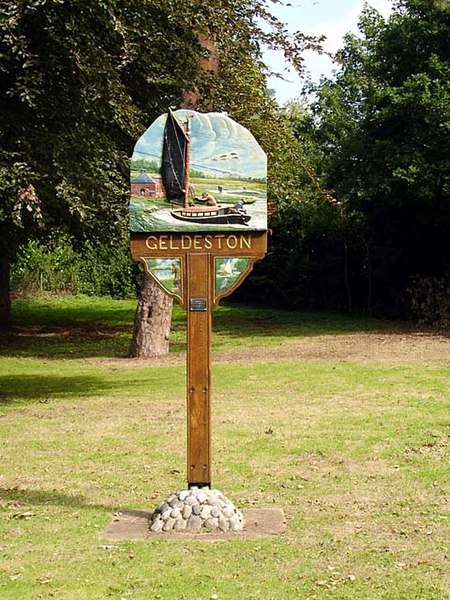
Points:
(194, 172)
(229, 272)
(168, 273)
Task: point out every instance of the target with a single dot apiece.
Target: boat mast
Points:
(187, 163)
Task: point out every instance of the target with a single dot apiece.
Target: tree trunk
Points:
(154, 311)
(152, 321)
(369, 279)
(5, 299)
(346, 279)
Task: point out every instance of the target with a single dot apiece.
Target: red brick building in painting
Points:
(146, 186)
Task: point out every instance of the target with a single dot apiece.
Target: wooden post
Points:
(199, 300)
(200, 254)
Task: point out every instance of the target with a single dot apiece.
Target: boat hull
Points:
(217, 217)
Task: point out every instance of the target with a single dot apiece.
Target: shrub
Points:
(46, 268)
(57, 267)
(109, 272)
(430, 300)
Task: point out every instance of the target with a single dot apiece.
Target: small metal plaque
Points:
(198, 304)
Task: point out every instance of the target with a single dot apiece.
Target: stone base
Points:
(197, 509)
(135, 525)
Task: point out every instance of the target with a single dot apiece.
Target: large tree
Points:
(379, 141)
(81, 80)
(77, 81)
(389, 113)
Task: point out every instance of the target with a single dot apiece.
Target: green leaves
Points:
(363, 200)
(81, 80)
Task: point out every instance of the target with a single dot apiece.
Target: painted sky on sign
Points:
(219, 145)
(332, 18)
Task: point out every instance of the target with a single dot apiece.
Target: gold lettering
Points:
(152, 242)
(247, 242)
(186, 242)
(214, 242)
(172, 244)
(232, 242)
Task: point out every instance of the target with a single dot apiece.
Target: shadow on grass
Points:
(72, 311)
(87, 328)
(237, 321)
(66, 342)
(82, 342)
(16, 388)
(19, 499)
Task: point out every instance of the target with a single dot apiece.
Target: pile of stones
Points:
(197, 510)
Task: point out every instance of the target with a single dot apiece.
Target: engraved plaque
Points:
(198, 305)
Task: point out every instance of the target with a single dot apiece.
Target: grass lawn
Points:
(344, 423)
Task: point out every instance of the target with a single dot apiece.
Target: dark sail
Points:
(173, 169)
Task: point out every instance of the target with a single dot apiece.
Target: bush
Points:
(109, 272)
(46, 268)
(57, 267)
(430, 300)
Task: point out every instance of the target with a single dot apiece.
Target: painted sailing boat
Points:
(228, 268)
(175, 176)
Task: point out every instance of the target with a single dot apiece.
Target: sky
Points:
(332, 18)
(219, 145)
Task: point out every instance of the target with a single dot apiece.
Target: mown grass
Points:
(84, 326)
(356, 453)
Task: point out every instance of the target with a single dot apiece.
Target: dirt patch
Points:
(361, 348)
(134, 524)
(437, 448)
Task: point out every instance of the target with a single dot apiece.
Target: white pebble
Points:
(157, 526)
(202, 497)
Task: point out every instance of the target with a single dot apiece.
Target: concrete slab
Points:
(134, 525)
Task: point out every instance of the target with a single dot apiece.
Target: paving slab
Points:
(134, 525)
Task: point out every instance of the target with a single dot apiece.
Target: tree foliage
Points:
(81, 80)
(376, 209)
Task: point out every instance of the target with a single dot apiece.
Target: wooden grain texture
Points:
(167, 245)
(199, 287)
(198, 252)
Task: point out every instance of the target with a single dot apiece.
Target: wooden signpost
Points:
(198, 222)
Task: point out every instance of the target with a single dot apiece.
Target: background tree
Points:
(374, 208)
(77, 82)
(385, 123)
(81, 81)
